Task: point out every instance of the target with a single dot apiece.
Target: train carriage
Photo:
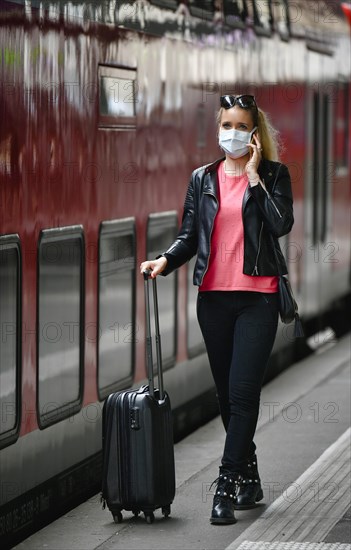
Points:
(106, 108)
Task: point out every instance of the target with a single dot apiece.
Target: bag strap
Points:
(272, 239)
(298, 330)
(276, 257)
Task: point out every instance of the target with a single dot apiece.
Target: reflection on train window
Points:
(196, 343)
(161, 232)
(235, 12)
(325, 179)
(60, 330)
(116, 327)
(341, 125)
(321, 182)
(169, 4)
(316, 121)
(204, 9)
(117, 97)
(10, 323)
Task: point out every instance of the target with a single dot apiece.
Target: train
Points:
(106, 109)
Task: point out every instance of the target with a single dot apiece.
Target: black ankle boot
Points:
(225, 495)
(250, 491)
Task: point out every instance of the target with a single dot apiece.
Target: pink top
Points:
(225, 268)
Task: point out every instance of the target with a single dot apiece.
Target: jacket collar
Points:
(213, 166)
(210, 185)
(266, 171)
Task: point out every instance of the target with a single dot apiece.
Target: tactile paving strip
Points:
(260, 545)
(295, 520)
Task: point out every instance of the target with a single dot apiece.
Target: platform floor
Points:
(303, 446)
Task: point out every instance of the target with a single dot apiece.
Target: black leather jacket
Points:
(267, 215)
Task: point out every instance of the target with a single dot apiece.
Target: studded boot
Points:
(228, 484)
(250, 491)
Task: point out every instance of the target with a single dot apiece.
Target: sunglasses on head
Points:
(244, 101)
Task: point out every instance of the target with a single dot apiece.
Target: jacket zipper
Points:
(258, 252)
(275, 206)
(208, 258)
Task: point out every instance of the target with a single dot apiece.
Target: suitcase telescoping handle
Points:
(149, 360)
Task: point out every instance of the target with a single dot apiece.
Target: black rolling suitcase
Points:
(137, 439)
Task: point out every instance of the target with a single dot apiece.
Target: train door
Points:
(320, 250)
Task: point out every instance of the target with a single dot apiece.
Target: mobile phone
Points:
(252, 141)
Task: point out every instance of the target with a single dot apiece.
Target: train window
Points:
(235, 12)
(196, 343)
(341, 125)
(60, 330)
(10, 323)
(116, 327)
(161, 231)
(117, 97)
(204, 9)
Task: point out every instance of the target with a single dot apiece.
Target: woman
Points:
(234, 211)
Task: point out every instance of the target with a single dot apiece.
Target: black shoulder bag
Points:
(288, 308)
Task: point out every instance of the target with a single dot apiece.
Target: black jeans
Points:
(239, 329)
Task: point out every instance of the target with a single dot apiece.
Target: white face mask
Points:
(234, 142)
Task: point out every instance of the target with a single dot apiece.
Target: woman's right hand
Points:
(156, 266)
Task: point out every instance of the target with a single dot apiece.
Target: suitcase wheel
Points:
(166, 510)
(149, 516)
(117, 517)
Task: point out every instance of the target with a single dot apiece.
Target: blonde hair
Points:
(269, 136)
